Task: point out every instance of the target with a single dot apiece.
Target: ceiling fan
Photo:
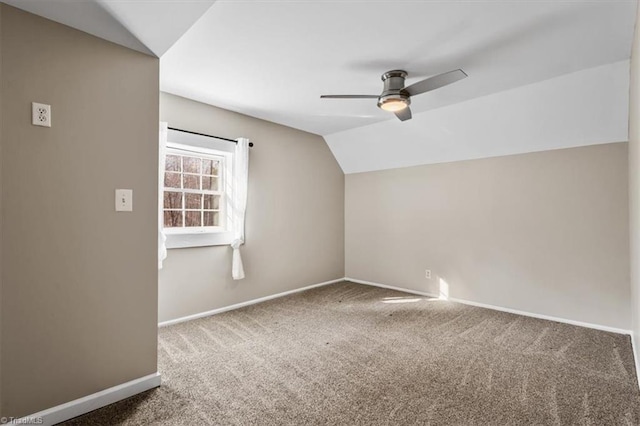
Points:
(396, 98)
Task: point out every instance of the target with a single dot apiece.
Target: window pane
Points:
(210, 167)
(172, 180)
(210, 183)
(211, 202)
(172, 219)
(191, 182)
(193, 201)
(172, 163)
(172, 200)
(192, 219)
(211, 219)
(191, 164)
(191, 173)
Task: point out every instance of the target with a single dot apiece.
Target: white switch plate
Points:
(124, 200)
(40, 114)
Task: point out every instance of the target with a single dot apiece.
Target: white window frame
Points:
(182, 143)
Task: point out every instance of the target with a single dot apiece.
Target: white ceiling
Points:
(543, 74)
(583, 108)
(149, 26)
(273, 59)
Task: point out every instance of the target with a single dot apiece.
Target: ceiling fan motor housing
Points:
(393, 88)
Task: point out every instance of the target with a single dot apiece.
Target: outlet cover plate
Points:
(40, 114)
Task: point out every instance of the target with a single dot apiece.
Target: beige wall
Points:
(544, 232)
(79, 295)
(295, 216)
(634, 184)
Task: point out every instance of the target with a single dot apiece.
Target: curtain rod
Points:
(209, 136)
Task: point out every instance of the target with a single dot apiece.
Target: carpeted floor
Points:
(348, 354)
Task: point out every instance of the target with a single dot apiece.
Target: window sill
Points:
(185, 240)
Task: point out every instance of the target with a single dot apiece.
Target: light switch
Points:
(124, 200)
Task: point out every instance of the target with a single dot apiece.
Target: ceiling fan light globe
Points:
(393, 105)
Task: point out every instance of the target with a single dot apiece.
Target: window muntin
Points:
(194, 195)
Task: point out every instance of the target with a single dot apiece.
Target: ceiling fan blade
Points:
(349, 96)
(435, 82)
(404, 114)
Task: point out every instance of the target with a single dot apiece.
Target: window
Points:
(196, 196)
(193, 195)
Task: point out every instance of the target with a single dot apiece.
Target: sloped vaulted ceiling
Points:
(542, 74)
(274, 59)
(149, 26)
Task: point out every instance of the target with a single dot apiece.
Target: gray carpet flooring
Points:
(348, 354)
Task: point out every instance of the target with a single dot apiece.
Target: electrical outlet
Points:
(40, 114)
(427, 273)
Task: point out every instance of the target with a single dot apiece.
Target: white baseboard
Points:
(390, 287)
(243, 304)
(404, 290)
(500, 308)
(91, 402)
(634, 348)
(544, 317)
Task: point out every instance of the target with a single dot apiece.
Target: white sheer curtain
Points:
(162, 148)
(239, 203)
